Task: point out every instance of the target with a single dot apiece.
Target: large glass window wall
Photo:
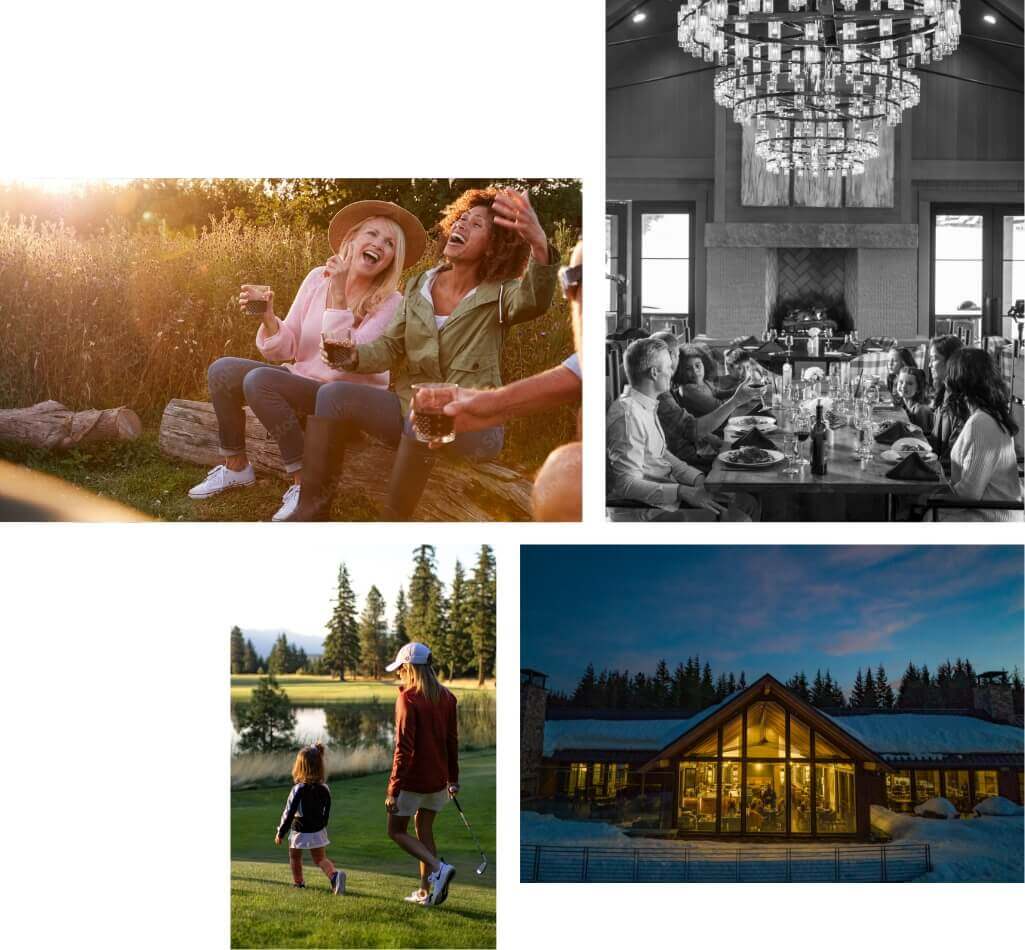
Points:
(766, 772)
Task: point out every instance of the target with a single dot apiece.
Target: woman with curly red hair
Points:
(449, 328)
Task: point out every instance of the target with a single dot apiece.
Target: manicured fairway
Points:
(267, 912)
(324, 689)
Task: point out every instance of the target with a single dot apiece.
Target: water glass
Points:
(791, 467)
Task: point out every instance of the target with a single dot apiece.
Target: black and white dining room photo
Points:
(814, 259)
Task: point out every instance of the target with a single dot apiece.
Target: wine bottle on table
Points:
(818, 443)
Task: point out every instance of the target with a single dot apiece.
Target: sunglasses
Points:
(570, 278)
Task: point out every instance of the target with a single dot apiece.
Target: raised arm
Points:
(531, 295)
(283, 343)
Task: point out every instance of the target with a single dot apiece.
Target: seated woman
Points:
(373, 242)
(983, 465)
(450, 327)
(909, 393)
(900, 356)
(692, 388)
(945, 425)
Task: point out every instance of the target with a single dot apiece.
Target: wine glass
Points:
(802, 428)
(863, 424)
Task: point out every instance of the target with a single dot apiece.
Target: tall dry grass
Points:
(134, 318)
(257, 768)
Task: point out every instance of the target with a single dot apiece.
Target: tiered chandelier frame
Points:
(818, 77)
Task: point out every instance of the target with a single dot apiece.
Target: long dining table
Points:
(846, 474)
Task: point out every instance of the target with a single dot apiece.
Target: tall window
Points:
(978, 266)
(959, 789)
(665, 264)
(959, 259)
(898, 790)
(615, 262)
(985, 784)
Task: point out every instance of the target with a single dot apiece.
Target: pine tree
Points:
(482, 613)
(277, 659)
(373, 632)
(662, 686)
(266, 723)
(742, 682)
(707, 687)
(798, 684)
(884, 689)
(858, 692)
(341, 645)
(584, 694)
(459, 641)
(251, 659)
(731, 684)
(238, 651)
(834, 694)
(423, 583)
(679, 686)
(818, 691)
(399, 632)
(871, 698)
(721, 688)
(909, 691)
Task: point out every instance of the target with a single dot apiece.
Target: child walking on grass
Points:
(307, 811)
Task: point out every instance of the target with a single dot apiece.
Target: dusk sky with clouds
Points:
(765, 609)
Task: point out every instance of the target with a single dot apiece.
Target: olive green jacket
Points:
(467, 350)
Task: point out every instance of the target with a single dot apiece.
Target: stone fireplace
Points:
(753, 268)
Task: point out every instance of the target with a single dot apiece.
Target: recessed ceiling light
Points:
(989, 18)
(640, 17)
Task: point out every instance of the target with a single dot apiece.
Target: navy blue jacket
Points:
(307, 809)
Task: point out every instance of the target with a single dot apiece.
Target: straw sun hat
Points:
(352, 214)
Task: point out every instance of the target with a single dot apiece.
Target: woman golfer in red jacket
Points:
(425, 768)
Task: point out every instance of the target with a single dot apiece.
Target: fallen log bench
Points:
(51, 425)
(458, 490)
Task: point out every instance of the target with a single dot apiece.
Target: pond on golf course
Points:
(367, 725)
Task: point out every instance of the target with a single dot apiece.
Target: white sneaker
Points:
(439, 881)
(417, 897)
(338, 882)
(220, 479)
(289, 502)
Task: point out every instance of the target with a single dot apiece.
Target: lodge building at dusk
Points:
(763, 764)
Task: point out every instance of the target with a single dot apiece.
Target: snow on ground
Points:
(924, 736)
(998, 805)
(965, 850)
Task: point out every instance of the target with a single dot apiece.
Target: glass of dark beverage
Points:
(429, 420)
(256, 304)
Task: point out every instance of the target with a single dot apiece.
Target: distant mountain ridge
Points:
(263, 640)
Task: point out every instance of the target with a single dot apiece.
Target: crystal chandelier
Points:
(820, 77)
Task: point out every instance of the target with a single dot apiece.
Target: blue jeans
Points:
(277, 396)
(378, 413)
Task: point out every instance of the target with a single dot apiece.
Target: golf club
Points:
(482, 867)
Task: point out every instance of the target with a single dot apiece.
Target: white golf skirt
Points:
(308, 839)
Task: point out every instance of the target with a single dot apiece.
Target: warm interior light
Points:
(990, 19)
(640, 17)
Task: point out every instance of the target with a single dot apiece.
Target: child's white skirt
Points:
(308, 839)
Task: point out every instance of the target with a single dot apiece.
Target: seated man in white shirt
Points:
(644, 480)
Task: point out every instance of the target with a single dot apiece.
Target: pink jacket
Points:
(298, 336)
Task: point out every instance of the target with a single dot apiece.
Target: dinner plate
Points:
(746, 423)
(890, 456)
(774, 457)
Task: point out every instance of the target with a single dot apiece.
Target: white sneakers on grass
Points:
(418, 897)
(338, 882)
(289, 502)
(439, 881)
(221, 478)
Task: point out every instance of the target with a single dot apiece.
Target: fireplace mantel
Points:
(812, 235)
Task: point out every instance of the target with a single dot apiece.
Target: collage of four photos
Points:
(809, 288)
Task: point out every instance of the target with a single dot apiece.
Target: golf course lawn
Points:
(266, 911)
(324, 689)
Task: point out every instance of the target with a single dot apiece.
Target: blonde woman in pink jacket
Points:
(354, 292)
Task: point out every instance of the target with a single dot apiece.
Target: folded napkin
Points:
(755, 439)
(850, 348)
(770, 348)
(896, 430)
(913, 469)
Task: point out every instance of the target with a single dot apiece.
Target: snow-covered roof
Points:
(635, 735)
(916, 736)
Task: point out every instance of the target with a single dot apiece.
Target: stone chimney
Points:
(533, 702)
(992, 696)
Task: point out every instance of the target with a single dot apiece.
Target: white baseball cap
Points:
(410, 653)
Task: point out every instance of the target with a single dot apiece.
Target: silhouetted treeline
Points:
(691, 687)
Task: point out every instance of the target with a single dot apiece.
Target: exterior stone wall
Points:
(533, 702)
